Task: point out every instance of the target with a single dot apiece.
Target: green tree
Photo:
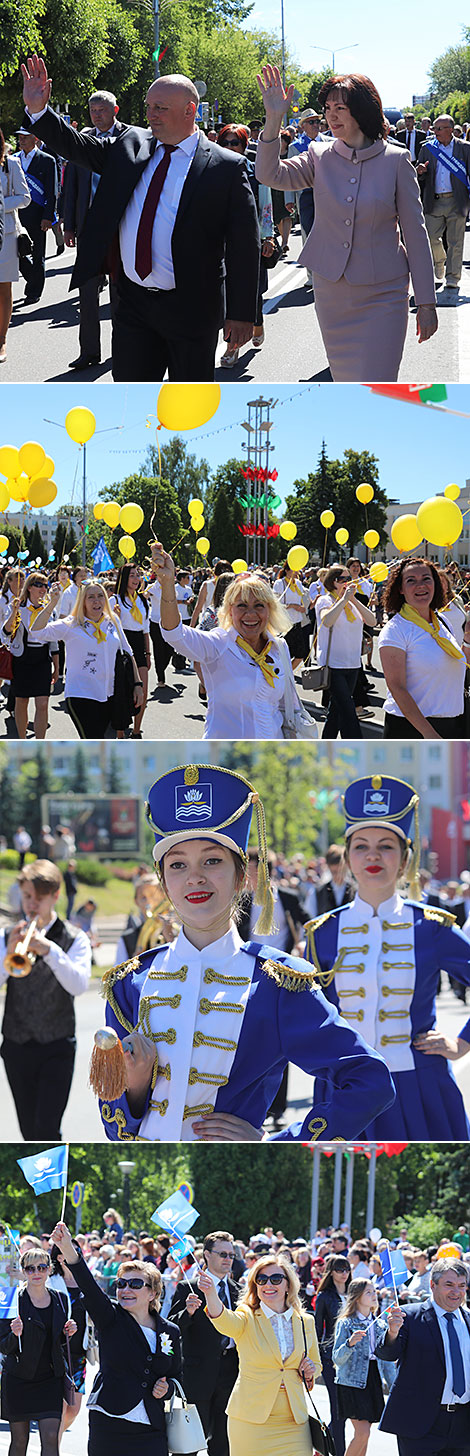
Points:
(162, 517)
(302, 802)
(187, 475)
(11, 809)
(78, 777)
(64, 540)
(36, 543)
(451, 71)
(333, 485)
(35, 779)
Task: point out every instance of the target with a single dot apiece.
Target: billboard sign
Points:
(106, 824)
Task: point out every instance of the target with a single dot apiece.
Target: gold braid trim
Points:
(204, 1110)
(168, 975)
(219, 1042)
(206, 1006)
(326, 977)
(444, 917)
(288, 977)
(208, 1077)
(161, 1107)
(108, 980)
(211, 975)
(119, 1118)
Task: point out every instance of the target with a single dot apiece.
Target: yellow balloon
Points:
(448, 1251)
(297, 557)
(341, 536)
(80, 424)
(47, 469)
(327, 519)
(98, 511)
(127, 546)
(4, 496)
(371, 539)
(42, 492)
(197, 523)
(364, 493)
(4, 543)
(185, 406)
(203, 545)
(452, 491)
(111, 513)
(405, 533)
(195, 506)
(19, 488)
(288, 530)
(379, 571)
(131, 516)
(31, 457)
(9, 462)
(238, 565)
(440, 520)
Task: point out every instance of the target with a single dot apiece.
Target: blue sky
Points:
(419, 450)
(395, 45)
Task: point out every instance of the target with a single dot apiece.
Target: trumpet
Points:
(20, 962)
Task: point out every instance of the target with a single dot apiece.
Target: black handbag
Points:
(123, 708)
(275, 256)
(322, 1440)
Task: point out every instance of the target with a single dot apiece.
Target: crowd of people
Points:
(244, 1325)
(244, 181)
(249, 637)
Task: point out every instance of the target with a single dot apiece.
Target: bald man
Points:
(174, 220)
(444, 173)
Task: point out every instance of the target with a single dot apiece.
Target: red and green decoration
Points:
(412, 393)
(272, 530)
(267, 498)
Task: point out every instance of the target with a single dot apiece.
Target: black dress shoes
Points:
(85, 361)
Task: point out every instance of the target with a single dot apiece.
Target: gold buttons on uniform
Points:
(206, 1006)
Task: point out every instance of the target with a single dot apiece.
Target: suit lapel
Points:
(433, 1326)
(267, 1334)
(199, 163)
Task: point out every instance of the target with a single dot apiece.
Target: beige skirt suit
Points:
(267, 1410)
(361, 264)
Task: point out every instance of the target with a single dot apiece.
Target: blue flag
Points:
(179, 1250)
(175, 1214)
(46, 1170)
(8, 1301)
(393, 1267)
(101, 558)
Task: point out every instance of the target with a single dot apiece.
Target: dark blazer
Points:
(428, 183)
(414, 1402)
(327, 1308)
(77, 187)
(25, 1364)
(325, 896)
(419, 142)
(292, 910)
(128, 1370)
(203, 1346)
(43, 167)
(215, 242)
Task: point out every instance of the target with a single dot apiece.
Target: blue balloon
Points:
(22, 555)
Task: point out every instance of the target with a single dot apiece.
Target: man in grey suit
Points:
(446, 200)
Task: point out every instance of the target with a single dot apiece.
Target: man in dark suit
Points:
(79, 191)
(41, 175)
(183, 214)
(446, 200)
(428, 1408)
(210, 1360)
(411, 137)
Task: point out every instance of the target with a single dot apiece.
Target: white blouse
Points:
(435, 680)
(282, 1326)
(291, 599)
(346, 637)
(128, 622)
(90, 664)
(242, 704)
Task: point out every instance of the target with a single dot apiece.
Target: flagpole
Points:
(64, 1199)
(393, 1273)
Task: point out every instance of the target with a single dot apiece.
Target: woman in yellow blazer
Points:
(267, 1410)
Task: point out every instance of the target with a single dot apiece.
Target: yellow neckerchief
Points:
(135, 610)
(351, 616)
(433, 628)
(34, 612)
(259, 657)
(294, 586)
(97, 632)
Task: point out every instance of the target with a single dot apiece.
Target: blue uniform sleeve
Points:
(464, 1034)
(354, 1084)
(122, 1013)
(452, 949)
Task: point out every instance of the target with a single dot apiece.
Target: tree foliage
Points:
(333, 486)
(301, 797)
(451, 71)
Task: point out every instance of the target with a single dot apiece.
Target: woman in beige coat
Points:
(278, 1354)
(366, 195)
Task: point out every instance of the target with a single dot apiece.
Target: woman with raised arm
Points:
(369, 232)
(34, 1362)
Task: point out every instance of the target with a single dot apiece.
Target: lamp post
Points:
(126, 1169)
(327, 49)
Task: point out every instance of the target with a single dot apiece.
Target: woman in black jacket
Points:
(34, 1367)
(328, 1305)
(139, 1354)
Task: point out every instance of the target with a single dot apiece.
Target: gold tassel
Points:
(264, 895)
(413, 871)
(107, 1075)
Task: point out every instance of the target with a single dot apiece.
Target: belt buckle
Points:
(451, 1407)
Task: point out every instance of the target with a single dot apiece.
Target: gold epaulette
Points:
(320, 920)
(444, 917)
(288, 976)
(108, 980)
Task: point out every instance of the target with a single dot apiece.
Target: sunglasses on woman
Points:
(132, 1284)
(36, 1268)
(269, 1278)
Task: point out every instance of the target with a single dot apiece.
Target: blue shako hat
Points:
(200, 801)
(380, 800)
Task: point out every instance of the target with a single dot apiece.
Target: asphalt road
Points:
(43, 338)
(175, 712)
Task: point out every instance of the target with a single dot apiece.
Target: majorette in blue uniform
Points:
(382, 971)
(226, 1020)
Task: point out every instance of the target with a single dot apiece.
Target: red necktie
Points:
(143, 245)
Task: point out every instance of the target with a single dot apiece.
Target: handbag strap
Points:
(67, 1341)
(312, 1402)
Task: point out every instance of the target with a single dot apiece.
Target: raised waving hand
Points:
(37, 85)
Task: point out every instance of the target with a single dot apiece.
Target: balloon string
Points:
(324, 548)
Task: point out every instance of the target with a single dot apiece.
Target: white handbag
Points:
(296, 723)
(184, 1427)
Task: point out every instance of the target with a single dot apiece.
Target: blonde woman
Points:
(357, 1332)
(246, 664)
(93, 637)
(35, 666)
(278, 1353)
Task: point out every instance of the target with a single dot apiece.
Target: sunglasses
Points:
(36, 1268)
(222, 1255)
(231, 144)
(269, 1278)
(132, 1284)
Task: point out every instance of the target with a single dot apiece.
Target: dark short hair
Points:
(393, 597)
(359, 93)
(332, 576)
(212, 1239)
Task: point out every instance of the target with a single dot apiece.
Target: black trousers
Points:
(212, 1408)
(449, 1436)
(395, 727)
(161, 650)
(341, 716)
(90, 329)
(34, 272)
(91, 719)
(40, 1078)
(337, 1426)
(148, 340)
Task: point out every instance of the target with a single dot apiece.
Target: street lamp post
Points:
(126, 1169)
(333, 54)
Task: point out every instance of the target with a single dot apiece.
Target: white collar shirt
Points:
(443, 178)
(242, 704)
(282, 1327)
(27, 157)
(463, 1333)
(410, 138)
(72, 968)
(90, 664)
(162, 274)
(344, 637)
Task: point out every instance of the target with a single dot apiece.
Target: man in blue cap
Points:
(378, 960)
(209, 1023)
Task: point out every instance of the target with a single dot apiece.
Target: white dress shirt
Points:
(71, 968)
(346, 637)
(241, 703)
(26, 157)
(90, 664)
(282, 1326)
(443, 178)
(162, 274)
(448, 1397)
